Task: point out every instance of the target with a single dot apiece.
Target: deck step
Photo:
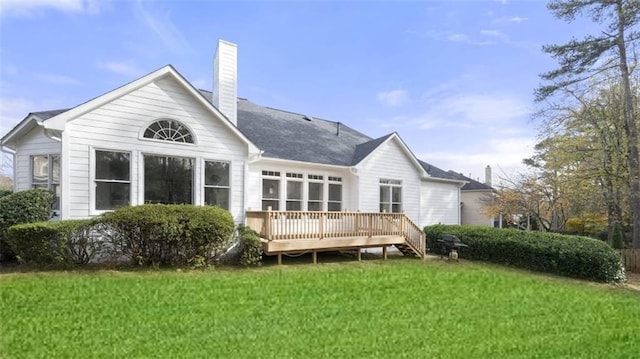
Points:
(406, 250)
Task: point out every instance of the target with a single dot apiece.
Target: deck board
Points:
(327, 244)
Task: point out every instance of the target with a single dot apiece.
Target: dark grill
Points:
(450, 244)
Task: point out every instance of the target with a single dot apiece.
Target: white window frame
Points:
(142, 177)
(388, 202)
(50, 182)
(205, 185)
(273, 176)
(187, 127)
(318, 179)
(335, 181)
(92, 178)
(298, 178)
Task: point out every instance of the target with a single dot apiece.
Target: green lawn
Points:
(395, 308)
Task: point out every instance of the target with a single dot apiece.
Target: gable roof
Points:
(277, 133)
(364, 149)
(472, 185)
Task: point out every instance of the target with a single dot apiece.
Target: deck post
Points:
(314, 254)
(267, 226)
(279, 258)
(359, 254)
(384, 252)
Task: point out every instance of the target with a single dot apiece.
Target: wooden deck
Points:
(284, 232)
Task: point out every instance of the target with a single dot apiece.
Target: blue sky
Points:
(454, 78)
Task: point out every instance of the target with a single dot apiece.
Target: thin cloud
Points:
(511, 19)
(393, 98)
(120, 68)
(164, 28)
(456, 37)
(493, 33)
(33, 8)
(58, 79)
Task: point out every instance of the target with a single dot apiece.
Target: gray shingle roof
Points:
(286, 135)
(292, 136)
(434, 171)
(472, 184)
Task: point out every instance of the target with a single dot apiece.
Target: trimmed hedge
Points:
(178, 235)
(573, 256)
(28, 206)
(54, 243)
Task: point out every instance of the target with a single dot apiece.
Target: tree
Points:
(581, 60)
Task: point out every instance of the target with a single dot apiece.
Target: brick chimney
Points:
(225, 80)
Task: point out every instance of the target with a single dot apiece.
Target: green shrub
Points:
(573, 256)
(28, 206)
(5, 192)
(250, 247)
(160, 234)
(55, 243)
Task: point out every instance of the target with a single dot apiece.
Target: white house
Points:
(158, 139)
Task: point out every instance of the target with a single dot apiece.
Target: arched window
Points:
(169, 130)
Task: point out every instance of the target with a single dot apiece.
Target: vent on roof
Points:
(308, 118)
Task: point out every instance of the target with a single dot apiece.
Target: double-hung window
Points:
(315, 193)
(294, 191)
(216, 184)
(270, 190)
(335, 194)
(390, 196)
(45, 174)
(112, 179)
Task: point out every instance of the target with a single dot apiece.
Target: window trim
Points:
(295, 177)
(50, 181)
(204, 181)
(144, 128)
(334, 180)
(319, 179)
(142, 174)
(274, 176)
(92, 179)
(391, 184)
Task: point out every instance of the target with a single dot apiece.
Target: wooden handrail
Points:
(292, 225)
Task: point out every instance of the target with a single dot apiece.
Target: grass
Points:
(394, 308)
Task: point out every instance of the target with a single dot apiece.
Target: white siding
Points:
(440, 203)
(35, 142)
(472, 208)
(389, 161)
(254, 185)
(118, 125)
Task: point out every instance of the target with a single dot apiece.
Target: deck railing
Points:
(292, 225)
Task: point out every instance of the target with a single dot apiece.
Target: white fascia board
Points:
(460, 183)
(26, 125)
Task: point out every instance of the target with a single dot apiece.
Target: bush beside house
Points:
(573, 256)
(28, 206)
(153, 234)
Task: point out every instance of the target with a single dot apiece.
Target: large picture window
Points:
(168, 180)
(390, 196)
(216, 184)
(112, 179)
(45, 174)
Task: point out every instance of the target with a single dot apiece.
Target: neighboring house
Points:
(160, 140)
(475, 195)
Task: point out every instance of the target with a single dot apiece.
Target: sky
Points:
(454, 79)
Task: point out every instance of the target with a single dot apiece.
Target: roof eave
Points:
(26, 125)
